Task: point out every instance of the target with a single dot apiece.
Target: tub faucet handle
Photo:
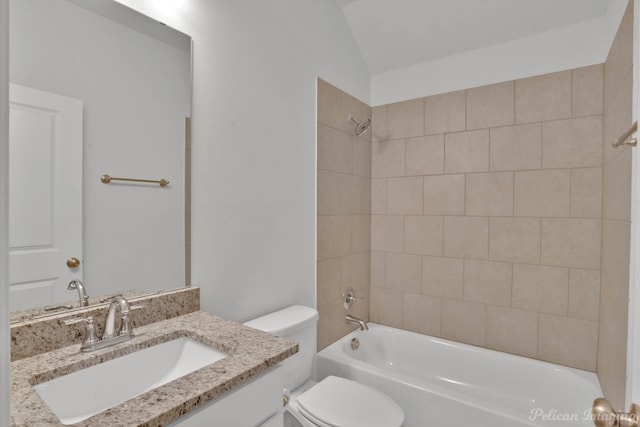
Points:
(350, 298)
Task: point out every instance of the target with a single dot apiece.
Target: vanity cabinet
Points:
(257, 403)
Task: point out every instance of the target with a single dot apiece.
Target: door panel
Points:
(45, 196)
(31, 293)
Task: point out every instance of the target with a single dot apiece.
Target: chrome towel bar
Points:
(625, 137)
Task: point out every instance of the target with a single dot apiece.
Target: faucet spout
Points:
(361, 322)
(77, 285)
(110, 323)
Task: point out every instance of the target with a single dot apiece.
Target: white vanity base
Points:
(258, 403)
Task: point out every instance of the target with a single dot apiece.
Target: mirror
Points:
(129, 77)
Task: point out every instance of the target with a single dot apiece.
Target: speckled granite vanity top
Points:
(250, 352)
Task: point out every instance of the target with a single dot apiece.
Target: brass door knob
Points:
(73, 263)
(605, 416)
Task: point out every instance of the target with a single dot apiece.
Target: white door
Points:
(45, 196)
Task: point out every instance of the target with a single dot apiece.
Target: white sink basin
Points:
(87, 392)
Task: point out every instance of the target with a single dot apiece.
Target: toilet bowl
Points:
(334, 401)
(337, 401)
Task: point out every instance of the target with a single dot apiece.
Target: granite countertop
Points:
(250, 352)
(65, 307)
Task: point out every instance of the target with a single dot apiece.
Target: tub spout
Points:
(362, 323)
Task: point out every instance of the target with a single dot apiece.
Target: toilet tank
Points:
(297, 323)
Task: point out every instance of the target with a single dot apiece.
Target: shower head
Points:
(361, 127)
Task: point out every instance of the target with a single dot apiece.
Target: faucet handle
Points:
(90, 338)
(126, 328)
(129, 308)
(350, 298)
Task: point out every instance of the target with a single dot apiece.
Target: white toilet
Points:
(333, 401)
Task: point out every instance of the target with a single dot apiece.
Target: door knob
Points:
(605, 416)
(73, 262)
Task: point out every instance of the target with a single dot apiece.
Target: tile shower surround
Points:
(616, 217)
(344, 211)
(486, 215)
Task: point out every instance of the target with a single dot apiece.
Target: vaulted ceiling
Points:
(392, 34)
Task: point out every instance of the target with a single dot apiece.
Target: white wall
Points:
(136, 93)
(255, 68)
(4, 213)
(574, 46)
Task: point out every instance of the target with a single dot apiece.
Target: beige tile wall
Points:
(612, 342)
(486, 215)
(344, 209)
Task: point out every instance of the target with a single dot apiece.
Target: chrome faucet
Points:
(362, 323)
(77, 285)
(110, 321)
(114, 332)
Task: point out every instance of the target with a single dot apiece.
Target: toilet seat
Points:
(338, 402)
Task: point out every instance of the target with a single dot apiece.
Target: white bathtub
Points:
(440, 383)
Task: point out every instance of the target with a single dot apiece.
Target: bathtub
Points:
(440, 383)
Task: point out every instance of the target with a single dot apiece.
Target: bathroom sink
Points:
(87, 392)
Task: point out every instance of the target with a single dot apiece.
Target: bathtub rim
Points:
(587, 375)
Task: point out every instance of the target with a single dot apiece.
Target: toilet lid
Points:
(339, 402)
